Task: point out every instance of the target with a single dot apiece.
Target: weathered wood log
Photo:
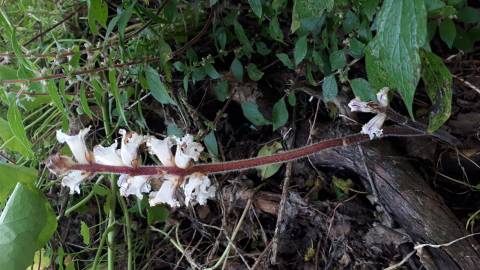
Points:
(405, 194)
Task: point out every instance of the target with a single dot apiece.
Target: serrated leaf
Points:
(157, 87)
(300, 50)
(447, 32)
(267, 150)
(26, 224)
(285, 60)
(251, 112)
(221, 90)
(254, 73)
(438, 84)
(361, 88)
(85, 233)
(337, 60)
(392, 57)
(237, 69)
(15, 122)
(256, 6)
(279, 114)
(211, 143)
(329, 88)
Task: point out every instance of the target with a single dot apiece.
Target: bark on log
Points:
(406, 195)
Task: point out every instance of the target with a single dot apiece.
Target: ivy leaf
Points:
(300, 50)
(256, 6)
(361, 88)
(251, 112)
(438, 84)
(279, 114)
(392, 58)
(157, 87)
(237, 69)
(329, 88)
(253, 72)
(267, 150)
(447, 32)
(26, 224)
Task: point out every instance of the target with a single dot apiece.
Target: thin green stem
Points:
(85, 199)
(100, 246)
(128, 232)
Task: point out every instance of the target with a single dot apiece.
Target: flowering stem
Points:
(244, 164)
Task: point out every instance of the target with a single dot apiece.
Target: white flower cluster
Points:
(197, 188)
(372, 128)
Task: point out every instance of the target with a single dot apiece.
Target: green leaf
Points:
(251, 112)
(9, 140)
(329, 88)
(369, 8)
(84, 101)
(157, 87)
(112, 78)
(356, 48)
(242, 37)
(10, 175)
(279, 114)
(469, 15)
(211, 143)
(274, 29)
(237, 69)
(392, 58)
(300, 50)
(18, 129)
(97, 12)
(337, 60)
(220, 90)
(304, 10)
(26, 224)
(262, 48)
(447, 32)
(256, 6)
(438, 84)
(174, 130)
(56, 98)
(85, 233)
(268, 150)
(212, 72)
(292, 99)
(361, 88)
(123, 19)
(253, 72)
(285, 60)
(156, 214)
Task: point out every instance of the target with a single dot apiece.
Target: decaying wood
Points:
(406, 195)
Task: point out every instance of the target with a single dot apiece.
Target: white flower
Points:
(162, 149)
(187, 150)
(166, 194)
(109, 155)
(129, 150)
(133, 185)
(197, 187)
(73, 180)
(77, 145)
(372, 128)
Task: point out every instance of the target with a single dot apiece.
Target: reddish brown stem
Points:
(244, 164)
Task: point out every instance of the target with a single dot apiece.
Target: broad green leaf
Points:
(220, 90)
(237, 69)
(337, 60)
(356, 48)
(447, 32)
(256, 6)
(274, 29)
(254, 73)
(212, 72)
(26, 224)
(211, 143)
(10, 175)
(469, 15)
(251, 112)
(267, 150)
(438, 84)
(85, 233)
(112, 78)
(15, 122)
(279, 114)
(369, 7)
(329, 88)
(361, 88)
(242, 37)
(285, 60)
(392, 58)
(304, 10)
(157, 87)
(300, 50)
(262, 48)
(156, 214)
(9, 140)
